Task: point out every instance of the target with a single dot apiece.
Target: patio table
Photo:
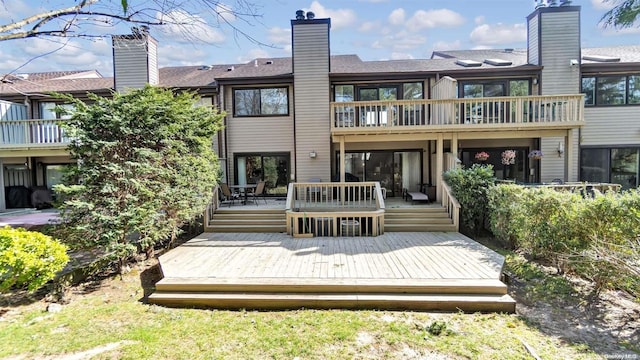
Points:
(243, 189)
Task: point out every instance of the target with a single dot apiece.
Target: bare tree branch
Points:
(622, 15)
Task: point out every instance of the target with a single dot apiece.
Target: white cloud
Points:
(179, 55)
(14, 9)
(497, 34)
(603, 4)
(612, 31)
(479, 20)
(400, 42)
(340, 18)
(447, 45)
(184, 27)
(368, 26)
(401, 56)
(397, 16)
(252, 54)
(279, 36)
(434, 18)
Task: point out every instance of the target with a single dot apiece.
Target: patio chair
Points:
(259, 191)
(227, 195)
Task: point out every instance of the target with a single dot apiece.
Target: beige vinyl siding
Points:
(258, 135)
(560, 41)
(611, 126)
(130, 63)
(532, 40)
(553, 165)
(311, 95)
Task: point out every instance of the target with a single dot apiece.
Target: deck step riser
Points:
(438, 221)
(242, 222)
(473, 303)
(246, 229)
(415, 216)
(329, 289)
(420, 228)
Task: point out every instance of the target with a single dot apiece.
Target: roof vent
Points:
(600, 58)
(269, 62)
(230, 68)
(468, 63)
(497, 62)
(508, 50)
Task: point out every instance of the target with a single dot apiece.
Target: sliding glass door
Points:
(272, 168)
(394, 170)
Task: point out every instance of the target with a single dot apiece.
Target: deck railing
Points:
(214, 204)
(335, 209)
(452, 205)
(32, 132)
(462, 112)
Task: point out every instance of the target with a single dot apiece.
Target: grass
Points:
(113, 313)
(541, 285)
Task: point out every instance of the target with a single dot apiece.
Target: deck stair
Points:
(468, 295)
(248, 220)
(417, 219)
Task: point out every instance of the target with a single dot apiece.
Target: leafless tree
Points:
(82, 18)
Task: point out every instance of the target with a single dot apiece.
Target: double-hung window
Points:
(261, 102)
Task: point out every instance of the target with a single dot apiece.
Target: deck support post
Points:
(454, 144)
(568, 157)
(342, 169)
(439, 166)
(3, 203)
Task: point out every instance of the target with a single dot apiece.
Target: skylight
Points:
(600, 58)
(468, 63)
(497, 62)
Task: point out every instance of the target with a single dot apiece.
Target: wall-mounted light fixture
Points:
(574, 63)
(560, 148)
(313, 154)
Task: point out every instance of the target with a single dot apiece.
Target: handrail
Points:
(335, 209)
(32, 132)
(451, 204)
(214, 204)
(542, 109)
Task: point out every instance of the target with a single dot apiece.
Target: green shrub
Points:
(507, 216)
(469, 186)
(29, 259)
(596, 237)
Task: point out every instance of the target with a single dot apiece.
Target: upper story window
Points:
(611, 90)
(47, 111)
(379, 92)
(476, 89)
(261, 102)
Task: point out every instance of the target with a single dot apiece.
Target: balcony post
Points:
(439, 166)
(568, 158)
(3, 203)
(343, 177)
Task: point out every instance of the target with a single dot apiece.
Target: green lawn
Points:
(112, 312)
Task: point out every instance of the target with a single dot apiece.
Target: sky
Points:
(372, 29)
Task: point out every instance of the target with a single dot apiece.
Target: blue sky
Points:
(373, 29)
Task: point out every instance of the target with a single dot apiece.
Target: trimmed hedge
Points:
(29, 259)
(470, 186)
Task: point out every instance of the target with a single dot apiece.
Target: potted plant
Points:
(508, 157)
(482, 156)
(536, 154)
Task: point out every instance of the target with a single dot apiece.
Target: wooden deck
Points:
(422, 271)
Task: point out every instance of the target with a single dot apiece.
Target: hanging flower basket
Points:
(536, 154)
(482, 156)
(508, 157)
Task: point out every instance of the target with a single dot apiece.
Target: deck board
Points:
(389, 256)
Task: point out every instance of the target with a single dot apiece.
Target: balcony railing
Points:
(467, 112)
(31, 133)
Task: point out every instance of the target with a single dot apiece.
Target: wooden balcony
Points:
(21, 134)
(559, 112)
